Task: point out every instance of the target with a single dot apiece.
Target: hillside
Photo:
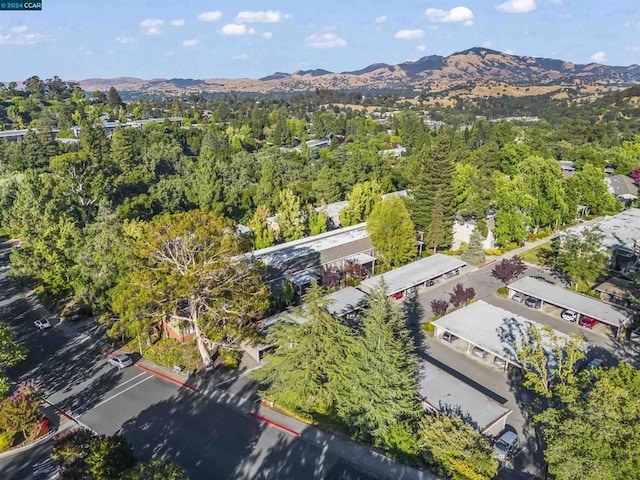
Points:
(475, 72)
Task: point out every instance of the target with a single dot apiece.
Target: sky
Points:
(79, 39)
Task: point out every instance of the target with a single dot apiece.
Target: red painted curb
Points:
(65, 415)
(274, 424)
(166, 377)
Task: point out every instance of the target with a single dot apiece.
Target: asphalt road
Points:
(208, 438)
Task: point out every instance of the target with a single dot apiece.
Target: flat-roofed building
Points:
(414, 274)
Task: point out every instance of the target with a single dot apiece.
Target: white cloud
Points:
(177, 23)
(381, 19)
(210, 16)
(151, 26)
(190, 43)
(236, 29)
(125, 40)
(486, 44)
(517, 6)
(267, 35)
(455, 15)
(599, 57)
(409, 34)
(23, 38)
(326, 40)
(508, 51)
(421, 48)
(18, 29)
(240, 56)
(268, 16)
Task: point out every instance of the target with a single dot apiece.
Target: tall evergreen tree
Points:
(326, 186)
(263, 234)
(113, 98)
(309, 359)
(289, 217)
(379, 388)
(435, 175)
(436, 234)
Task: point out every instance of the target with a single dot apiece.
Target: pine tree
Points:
(435, 175)
(326, 186)
(474, 254)
(113, 98)
(309, 359)
(289, 217)
(379, 388)
(436, 234)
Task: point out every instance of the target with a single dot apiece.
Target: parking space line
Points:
(120, 393)
(130, 380)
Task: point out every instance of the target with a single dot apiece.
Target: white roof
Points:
(345, 301)
(415, 273)
(300, 279)
(491, 328)
(290, 250)
(621, 230)
(447, 394)
(560, 297)
(361, 258)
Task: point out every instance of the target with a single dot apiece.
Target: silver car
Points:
(120, 361)
(505, 446)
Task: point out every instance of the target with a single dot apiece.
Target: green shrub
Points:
(231, 362)
(6, 440)
(503, 291)
(494, 252)
(170, 352)
(429, 327)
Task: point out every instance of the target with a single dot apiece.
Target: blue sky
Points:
(78, 39)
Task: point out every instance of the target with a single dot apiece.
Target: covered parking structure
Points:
(492, 329)
(562, 298)
(346, 302)
(414, 274)
(444, 393)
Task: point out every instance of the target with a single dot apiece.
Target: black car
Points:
(449, 337)
(533, 302)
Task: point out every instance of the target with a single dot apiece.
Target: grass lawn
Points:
(531, 256)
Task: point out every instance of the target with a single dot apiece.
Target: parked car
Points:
(430, 283)
(449, 337)
(518, 297)
(500, 362)
(587, 322)
(398, 296)
(533, 302)
(42, 324)
(569, 315)
(478, 352)
(120, 361)
(452, 273)
(506, 446)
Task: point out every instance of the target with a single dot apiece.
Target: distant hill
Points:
(476, 72)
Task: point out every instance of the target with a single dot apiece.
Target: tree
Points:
(330, 276)
(392, 232)
(326, 187)
(309, 359)
(361, 201)
(591, 190)
(581, 256)
(474, 254)
(434, 180)
(380, 382)
(549, 360)
(109, 458)
(11, 353)
(509, 268)
(436, 234)
(635, 174)
(22, 410)
(156, 470)
(289, 217)
(187, 271)
(70, 450)
(611, 414)
(439, 307)
(316, 222)
(113, 99)
(262, 233)
(461, 296)
(457, 449)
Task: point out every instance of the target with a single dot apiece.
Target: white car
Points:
(42, 324)
(569, 315)
(120, 361)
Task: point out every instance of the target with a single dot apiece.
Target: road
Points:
(208, 437)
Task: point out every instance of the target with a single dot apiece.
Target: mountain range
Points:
(473, 72)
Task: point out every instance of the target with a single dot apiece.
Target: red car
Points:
(587, 322)
(398, 295)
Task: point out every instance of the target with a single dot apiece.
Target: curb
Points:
(274, 424)
(39, 441)
(167, 377)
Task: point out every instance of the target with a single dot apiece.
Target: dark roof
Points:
(623, 185)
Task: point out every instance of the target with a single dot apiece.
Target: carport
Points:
(346, 302)
(493, 329)
(562, 298)
(414, 274)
